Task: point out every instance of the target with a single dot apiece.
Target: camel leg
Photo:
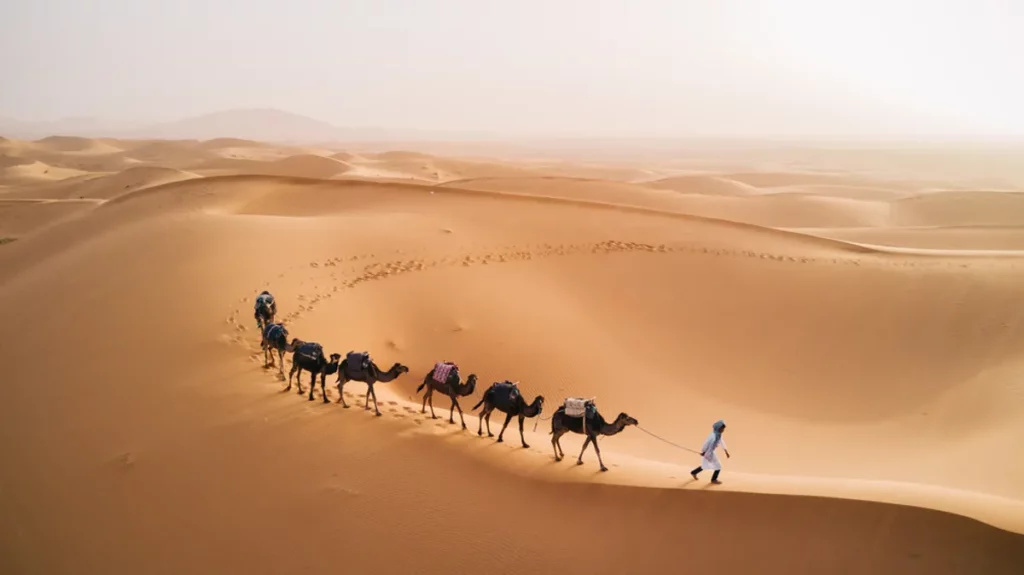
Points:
(430, 400)
(423, 408)
(480, 421)
(455, 405)
(323, 386)
(341, 394)
(556, 444)
(374, 394)
(508, 418)
(598, 450)
(521, 438)
(280, 368)
(490, 410)
(579, 460)
(290, 373)
(312, 384)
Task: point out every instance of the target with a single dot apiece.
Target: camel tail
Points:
(481, 402)
(422, 385)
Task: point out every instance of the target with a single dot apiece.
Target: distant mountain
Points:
(264, 124)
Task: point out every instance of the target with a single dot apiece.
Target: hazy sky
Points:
(587, 67)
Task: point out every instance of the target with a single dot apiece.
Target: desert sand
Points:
(859, 328)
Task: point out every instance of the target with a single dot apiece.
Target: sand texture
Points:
(860, 330)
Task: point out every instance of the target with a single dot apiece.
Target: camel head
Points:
(335, 358)
(539, 400)
(624, 419)
(400, 369)
(471, 382)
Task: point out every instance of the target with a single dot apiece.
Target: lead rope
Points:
(676, 445)
(538, 420)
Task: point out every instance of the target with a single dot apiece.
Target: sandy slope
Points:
(873, 398)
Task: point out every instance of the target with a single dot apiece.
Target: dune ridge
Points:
(820, 314)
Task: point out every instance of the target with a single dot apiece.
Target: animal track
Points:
(370, 267)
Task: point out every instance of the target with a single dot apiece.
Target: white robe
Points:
(710, 459)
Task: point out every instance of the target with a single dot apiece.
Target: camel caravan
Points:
(576, 415)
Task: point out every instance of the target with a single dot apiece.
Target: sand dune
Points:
(75, 145)
(101, 186)
(775, 179)
(575, 188)
(18, 218)
(865, 193)
(705, 185)
(960, 209)
(169, 154)
(24, 173)
(872, 397)
(221, 143)
(791, 210)
(303, 165)
(945, 238)
(11, 161)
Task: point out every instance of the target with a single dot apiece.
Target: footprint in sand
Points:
(126, 460)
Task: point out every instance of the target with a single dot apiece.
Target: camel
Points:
(369, 374)
(505, 397)
(265, 309)
(309, 356)
(562, 424)
(275, 336)
(451, 387)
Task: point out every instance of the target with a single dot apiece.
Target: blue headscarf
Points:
(718, 427)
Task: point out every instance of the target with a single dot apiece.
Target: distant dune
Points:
(705, 185)
(25, 173)
(777, 179)
(820, 314)
(75, 145)
(299, 166)
(220, 143)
